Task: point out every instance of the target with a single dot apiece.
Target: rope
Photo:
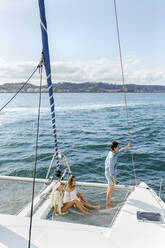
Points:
(124, 88)
(36, 153)
(21, 87)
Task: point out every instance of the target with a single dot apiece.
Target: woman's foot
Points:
(97, 206)
(87, 212)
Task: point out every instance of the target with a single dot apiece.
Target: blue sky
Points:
(83, 40)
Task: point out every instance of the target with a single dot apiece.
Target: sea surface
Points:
(86, 124)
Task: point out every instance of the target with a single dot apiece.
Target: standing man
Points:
(111, 168)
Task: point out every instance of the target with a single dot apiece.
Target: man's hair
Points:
(114, 144)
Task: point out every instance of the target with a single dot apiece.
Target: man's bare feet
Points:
(109, 206)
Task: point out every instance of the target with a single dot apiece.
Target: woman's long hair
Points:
(70, 181)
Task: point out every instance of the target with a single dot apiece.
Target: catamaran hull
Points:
(126, 231)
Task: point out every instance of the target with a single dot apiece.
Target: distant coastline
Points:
(86, 87)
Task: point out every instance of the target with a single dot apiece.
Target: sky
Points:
(83, 40)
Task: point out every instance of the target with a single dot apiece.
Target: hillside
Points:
(86, 87)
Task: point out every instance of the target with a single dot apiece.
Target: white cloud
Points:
(15, 71)
(100, 70)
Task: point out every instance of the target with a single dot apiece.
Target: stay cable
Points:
(124, 88)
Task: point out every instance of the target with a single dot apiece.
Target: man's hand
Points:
(126, 147)
(129, 144)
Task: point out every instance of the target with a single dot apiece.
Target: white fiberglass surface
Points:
(95, 195)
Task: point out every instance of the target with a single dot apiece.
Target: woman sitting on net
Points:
(57, 201)
(72, 194)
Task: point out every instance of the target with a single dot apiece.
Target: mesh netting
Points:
(15, 195)
(95, 195)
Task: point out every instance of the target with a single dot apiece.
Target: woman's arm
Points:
(81, 196)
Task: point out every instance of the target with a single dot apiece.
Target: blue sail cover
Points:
(48, 70)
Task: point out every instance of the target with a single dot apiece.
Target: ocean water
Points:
(86, 124)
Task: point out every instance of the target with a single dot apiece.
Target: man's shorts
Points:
(109, 178)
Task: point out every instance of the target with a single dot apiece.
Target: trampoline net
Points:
(95, 195)
(16, 195)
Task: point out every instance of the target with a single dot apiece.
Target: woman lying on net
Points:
(59, 206)
(72, 194)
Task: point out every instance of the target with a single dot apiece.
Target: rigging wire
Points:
(124, 88)
(36, 152)
(21, 87)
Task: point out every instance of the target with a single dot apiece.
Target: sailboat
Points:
(137, 221)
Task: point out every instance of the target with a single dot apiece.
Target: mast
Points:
(46, 59)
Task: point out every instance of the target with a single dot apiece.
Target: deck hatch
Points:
(149, 217)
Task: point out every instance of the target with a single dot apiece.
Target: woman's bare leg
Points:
(88, 205)
(85, 203)
(68, 205)
(81, 207)
(81, 196)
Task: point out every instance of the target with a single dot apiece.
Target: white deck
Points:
(125, 232)
(48, 234)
